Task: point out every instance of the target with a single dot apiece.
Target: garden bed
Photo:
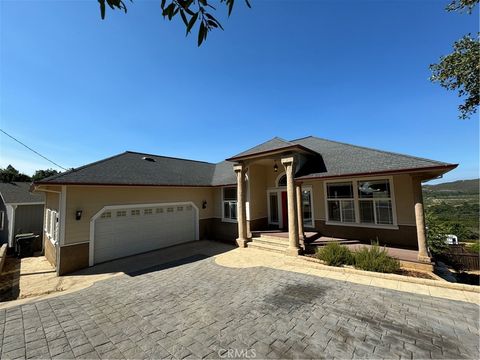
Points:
(402, 272)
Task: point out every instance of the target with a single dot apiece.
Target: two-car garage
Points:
(118, 231)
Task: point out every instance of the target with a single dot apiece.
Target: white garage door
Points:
(120, 232)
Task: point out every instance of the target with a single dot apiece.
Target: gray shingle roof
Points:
(328, 158)
(345, 159)
(19, 193)
(129, 168)
(271, 145)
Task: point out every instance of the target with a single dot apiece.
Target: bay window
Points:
(366, 202)
(229, 200)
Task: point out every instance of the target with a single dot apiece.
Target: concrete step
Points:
(266, 247)
(321, 242)
(283, 243)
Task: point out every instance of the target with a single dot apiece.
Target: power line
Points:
(29, 148)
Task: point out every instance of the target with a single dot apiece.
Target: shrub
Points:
(335, 254)
(474, 247)
(375, 259)
(436, 234)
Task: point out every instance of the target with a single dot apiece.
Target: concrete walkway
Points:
(247, 257)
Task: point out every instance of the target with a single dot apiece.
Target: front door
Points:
(284, 210)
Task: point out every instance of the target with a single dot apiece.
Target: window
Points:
(121, 213)
(106, 215)
(148, 211)
(273, 198)
(282, 181)
(159, 210)
(51, 225)
(362, 202)
(135, 212)
(375, 203)
(2, 219)
(340, 202)
(307, 207)
(229, 203)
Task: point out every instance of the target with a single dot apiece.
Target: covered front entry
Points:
(120, 231)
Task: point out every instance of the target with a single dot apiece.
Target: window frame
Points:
(51, 227)
(2, 220)
(356, 200)
(225, 219)
(308, 188)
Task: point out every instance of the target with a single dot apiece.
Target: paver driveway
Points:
(202, 309)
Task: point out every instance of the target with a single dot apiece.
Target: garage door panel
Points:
(124, 232)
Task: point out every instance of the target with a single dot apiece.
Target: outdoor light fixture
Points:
(204, 204)
(78, 214)
(275, 167)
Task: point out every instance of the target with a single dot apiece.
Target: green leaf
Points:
(230, 6)
(201, 33)
(184, 18)
(102, 8)
(191, 22)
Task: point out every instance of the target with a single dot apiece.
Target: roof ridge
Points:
(79, 168)
(378, 150)
(169, 157)
(305, 137)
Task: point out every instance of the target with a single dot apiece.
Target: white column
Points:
(241, 206)
(293, 246)
(420, 220)
(301, 234)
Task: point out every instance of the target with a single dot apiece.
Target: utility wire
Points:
(29, 148)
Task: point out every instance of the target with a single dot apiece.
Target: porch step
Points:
(273, 244)
(266, 247)
(271, 240)
(325, 241)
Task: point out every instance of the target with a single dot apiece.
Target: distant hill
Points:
(460, 186)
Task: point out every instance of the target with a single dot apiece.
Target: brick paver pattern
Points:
(203, 310)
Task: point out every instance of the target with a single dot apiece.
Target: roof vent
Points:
(146, 158)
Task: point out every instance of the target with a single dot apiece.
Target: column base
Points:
(293, 251)
(425, 259)
(242, 242)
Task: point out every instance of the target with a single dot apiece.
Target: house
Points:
(133, 202)
(20, 212)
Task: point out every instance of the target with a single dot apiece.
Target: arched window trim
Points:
(279, 177)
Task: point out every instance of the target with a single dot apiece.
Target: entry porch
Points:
(275, 206)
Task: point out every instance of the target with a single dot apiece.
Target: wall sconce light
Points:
(275, 167)
(204, 204)
(78, 214)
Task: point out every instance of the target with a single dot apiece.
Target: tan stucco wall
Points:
(52, 201)
(50, 251)
(257, 192)
(91, 199)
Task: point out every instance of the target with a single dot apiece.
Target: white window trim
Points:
(278, 179)
(279, 191)
(357, 222)
(52, 225)
(310, 189)
(224, 219)
(2, 220)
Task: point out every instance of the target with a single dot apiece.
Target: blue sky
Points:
(78, 89)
